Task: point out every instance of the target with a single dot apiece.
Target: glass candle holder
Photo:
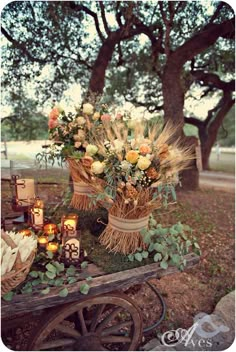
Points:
(43, 241)
(69, 224)
(25, 232)
(50, 229)
(52, 247)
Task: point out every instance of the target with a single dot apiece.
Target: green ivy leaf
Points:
(51, 268)
(158, 247)
(45, 291)
(64, 292)
(84, 289)
(34, 274)
(176, 258)
(163, 264)
(8, 296)
(71, 280)
(89, 278)
(84, 264)
(50, 274)
(70, 271)
(157, 257)
(151, 247)
(131, 257)
(49, 254)
(145, 254)
(59, 281)
(41, 275)
(138, 257)
(36, 282)
(60, 267)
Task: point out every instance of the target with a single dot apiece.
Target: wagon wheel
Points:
(110, 322)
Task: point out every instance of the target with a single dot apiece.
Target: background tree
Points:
(25, 122)
(157, 72)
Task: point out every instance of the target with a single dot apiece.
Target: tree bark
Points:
(97, 80)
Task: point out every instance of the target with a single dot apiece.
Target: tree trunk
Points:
(208, 133)
(173, 95)
(97, 80)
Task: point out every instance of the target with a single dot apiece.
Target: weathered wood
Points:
(98, 285)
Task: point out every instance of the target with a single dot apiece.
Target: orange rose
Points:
(144, 149)
(54, 114)
(87, 161)
(52, 124)
(132, 156)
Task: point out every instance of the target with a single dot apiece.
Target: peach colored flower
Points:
(77, 144)
(87, 161)
(132, 156)
(54, 114)
(144, 149)
(106, 117)
(52, 123)
(96, 116)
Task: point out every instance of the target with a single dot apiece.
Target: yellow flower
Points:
(80, 120)
(88, 109)
(143, 163)
(96, 116)
(97, 167)
(132, 156)
(91, 149)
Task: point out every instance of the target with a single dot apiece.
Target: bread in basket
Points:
(20, 269)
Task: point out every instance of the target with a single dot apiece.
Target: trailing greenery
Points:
(167, 245)
(47, 273)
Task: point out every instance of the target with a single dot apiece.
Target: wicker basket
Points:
(19, 271)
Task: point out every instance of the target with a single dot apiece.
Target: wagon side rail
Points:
(100, 284)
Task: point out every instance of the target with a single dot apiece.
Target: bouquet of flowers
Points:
(136, 176)
(73, 136)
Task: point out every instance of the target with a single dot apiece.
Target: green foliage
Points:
(166, 245)
(47, 273)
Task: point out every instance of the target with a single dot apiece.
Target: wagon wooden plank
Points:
(99, 285)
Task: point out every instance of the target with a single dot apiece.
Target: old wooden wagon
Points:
(104, 319)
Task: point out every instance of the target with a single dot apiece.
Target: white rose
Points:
(88, 109)
(80, 120)
(125, 165)
(97, 167)
(118, 145)
(143, 163)
(91, 149)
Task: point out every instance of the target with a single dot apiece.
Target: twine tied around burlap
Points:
(123, 235)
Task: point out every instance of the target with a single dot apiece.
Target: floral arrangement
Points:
(73, 137)
(136, 176)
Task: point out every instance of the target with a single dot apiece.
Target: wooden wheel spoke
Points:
(115, 339)
(96, 317)
(111, 316)
(116, 328)
(56, 343)
(67, 330)
(82, 322)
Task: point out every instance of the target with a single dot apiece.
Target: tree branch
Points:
(193, 121)
(104, 20)
(212, 79)
(22, 47)
(203, 40)
(217, 11)
(78, 8)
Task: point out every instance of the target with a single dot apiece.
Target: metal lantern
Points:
(23, 196)
(70, 240)
(37, 214)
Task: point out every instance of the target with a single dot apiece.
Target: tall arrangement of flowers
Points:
(136, 174)
(73, 137)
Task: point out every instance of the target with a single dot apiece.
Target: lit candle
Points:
(25, 232)
(37, 213)
(25, 191)
(50, 229)
(69, 223)
(43, 241)
(52, 247)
